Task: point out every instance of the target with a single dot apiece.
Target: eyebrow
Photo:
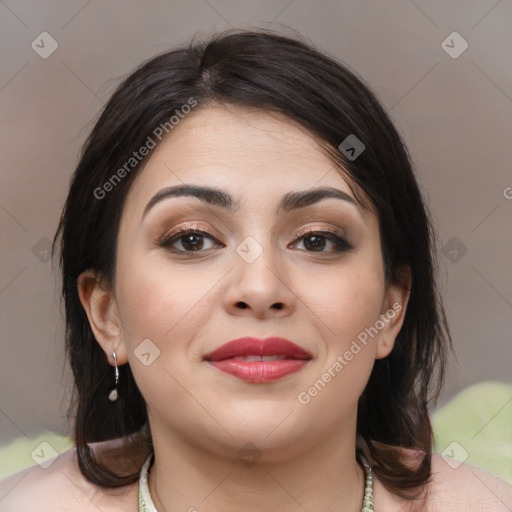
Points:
(221, 199)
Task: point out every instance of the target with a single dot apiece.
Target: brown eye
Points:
(316, 241)
(191, 240)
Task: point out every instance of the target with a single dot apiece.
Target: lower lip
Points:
(264, 371)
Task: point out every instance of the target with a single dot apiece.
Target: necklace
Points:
(146, 503)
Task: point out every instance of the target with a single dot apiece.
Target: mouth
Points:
(255, 358)
(258, 361)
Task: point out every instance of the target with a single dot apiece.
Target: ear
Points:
(394, 306)
(100, 305)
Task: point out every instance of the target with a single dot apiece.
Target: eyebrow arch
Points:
(219, 198)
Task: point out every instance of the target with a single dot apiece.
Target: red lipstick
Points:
(257, 360)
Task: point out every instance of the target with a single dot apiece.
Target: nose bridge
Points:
(258, 280)
(256, 255)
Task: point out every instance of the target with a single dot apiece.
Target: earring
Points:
(113, 394)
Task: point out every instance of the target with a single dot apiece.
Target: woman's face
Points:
(309, 271)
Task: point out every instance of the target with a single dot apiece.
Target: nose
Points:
(260, 288)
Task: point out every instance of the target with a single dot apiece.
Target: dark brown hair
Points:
(274, 73)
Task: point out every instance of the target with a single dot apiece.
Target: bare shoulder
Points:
(455, 486)
(62, 487)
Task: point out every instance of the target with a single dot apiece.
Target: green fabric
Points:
(474, 427)
(17, 455)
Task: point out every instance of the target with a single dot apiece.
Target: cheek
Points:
(344, 301)
(350, 304)
(147, 305)
(158, 303)
(359, 301)
(161, 315)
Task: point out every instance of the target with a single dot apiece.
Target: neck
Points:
(326, 477)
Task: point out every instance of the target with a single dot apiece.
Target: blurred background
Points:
(441, 69)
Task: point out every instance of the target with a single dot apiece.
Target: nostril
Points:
(243, 305)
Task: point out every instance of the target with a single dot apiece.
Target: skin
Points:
(189, 305)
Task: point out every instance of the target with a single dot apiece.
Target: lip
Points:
(289, 358)
(262, 347)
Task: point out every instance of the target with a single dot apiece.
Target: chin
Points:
(273, 433)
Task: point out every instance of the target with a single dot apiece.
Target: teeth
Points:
(247, 359)
(254, 358)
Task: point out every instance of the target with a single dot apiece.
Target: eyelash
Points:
(340, 243)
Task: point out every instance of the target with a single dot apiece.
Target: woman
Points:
(249, 281)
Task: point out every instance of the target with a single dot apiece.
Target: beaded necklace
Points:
(146, 503)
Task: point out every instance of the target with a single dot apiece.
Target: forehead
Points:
(252, 153)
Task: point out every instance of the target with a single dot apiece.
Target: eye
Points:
(190, 239)
(316, 241)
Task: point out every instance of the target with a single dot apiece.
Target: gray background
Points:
(454, 113)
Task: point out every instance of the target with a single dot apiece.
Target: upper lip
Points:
(254, 346)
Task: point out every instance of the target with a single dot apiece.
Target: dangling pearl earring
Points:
(113, 394)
